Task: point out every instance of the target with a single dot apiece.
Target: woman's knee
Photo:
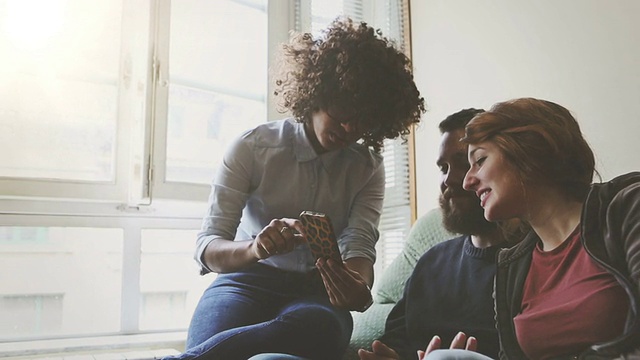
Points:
(322, 318)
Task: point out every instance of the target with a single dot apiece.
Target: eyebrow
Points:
(473, 151)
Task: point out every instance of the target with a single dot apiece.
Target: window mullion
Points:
(156, 123)
(136, 95)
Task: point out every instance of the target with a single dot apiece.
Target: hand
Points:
(380, 352)
(346, 288)
(277, 238)
(461, 341)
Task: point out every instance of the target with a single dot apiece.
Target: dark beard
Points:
(469, 220)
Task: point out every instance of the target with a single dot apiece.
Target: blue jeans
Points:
(266, 310)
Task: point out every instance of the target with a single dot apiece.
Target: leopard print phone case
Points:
(320, 235)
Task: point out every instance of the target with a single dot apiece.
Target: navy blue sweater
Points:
(450, 290)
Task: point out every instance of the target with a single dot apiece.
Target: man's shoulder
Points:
(447, 247)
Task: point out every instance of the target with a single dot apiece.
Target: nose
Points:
(470, 181)
(453, 177)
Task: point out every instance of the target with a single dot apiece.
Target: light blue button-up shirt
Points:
(272, 171)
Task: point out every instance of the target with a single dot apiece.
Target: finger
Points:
(328, 287)
(291, 232)
(434, 344)
(459, 341)
(271, 239)
(421, 354)
(339, 273)
(281, 237)
(263, 248)
(472, 344)
(259, 250)
(364, 354)
(293, 224)
(265, 243)
(381, 349)
(349, 282)
(289, 239)
(299, 239)
(332, 283)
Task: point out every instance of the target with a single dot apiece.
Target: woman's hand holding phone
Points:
(279, 237)
(346, 288)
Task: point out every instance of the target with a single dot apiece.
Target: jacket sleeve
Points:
(626, 207)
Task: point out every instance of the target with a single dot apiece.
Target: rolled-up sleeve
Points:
(229, 193)
(360, 236)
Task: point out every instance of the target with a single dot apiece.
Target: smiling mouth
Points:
(483, 196)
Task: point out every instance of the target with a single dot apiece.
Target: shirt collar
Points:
(301, 144)
(304, 150)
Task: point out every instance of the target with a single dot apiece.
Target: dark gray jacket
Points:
(611, 236)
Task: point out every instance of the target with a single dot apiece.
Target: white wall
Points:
(582, 54)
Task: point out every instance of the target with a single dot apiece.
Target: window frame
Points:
(132, 227)
(139, 198)
(280, 15)
(115, 190)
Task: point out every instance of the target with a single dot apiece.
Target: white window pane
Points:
(31, 314)
(201, 125)
(323, 12)
(55, 278)
(219, 92)
(58, 84)
(170, 283)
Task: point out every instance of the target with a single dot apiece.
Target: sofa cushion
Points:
(425, 232)
(369, 324)
(388, 288)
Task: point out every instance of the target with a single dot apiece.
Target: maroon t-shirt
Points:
(569, 302)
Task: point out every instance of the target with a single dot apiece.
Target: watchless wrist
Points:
(369, 303)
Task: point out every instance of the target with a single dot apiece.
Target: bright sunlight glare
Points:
(30, 23)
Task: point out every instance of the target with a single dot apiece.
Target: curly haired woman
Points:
(347, 91)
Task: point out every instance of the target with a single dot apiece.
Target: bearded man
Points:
(448, 298)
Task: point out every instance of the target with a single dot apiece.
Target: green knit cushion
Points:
(387, 291)
(426, 232)
(367, 326)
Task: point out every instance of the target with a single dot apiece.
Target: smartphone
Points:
(320, 235)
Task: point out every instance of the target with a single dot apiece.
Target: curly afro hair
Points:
(354, 69)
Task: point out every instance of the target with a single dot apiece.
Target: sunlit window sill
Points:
(95, 347)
